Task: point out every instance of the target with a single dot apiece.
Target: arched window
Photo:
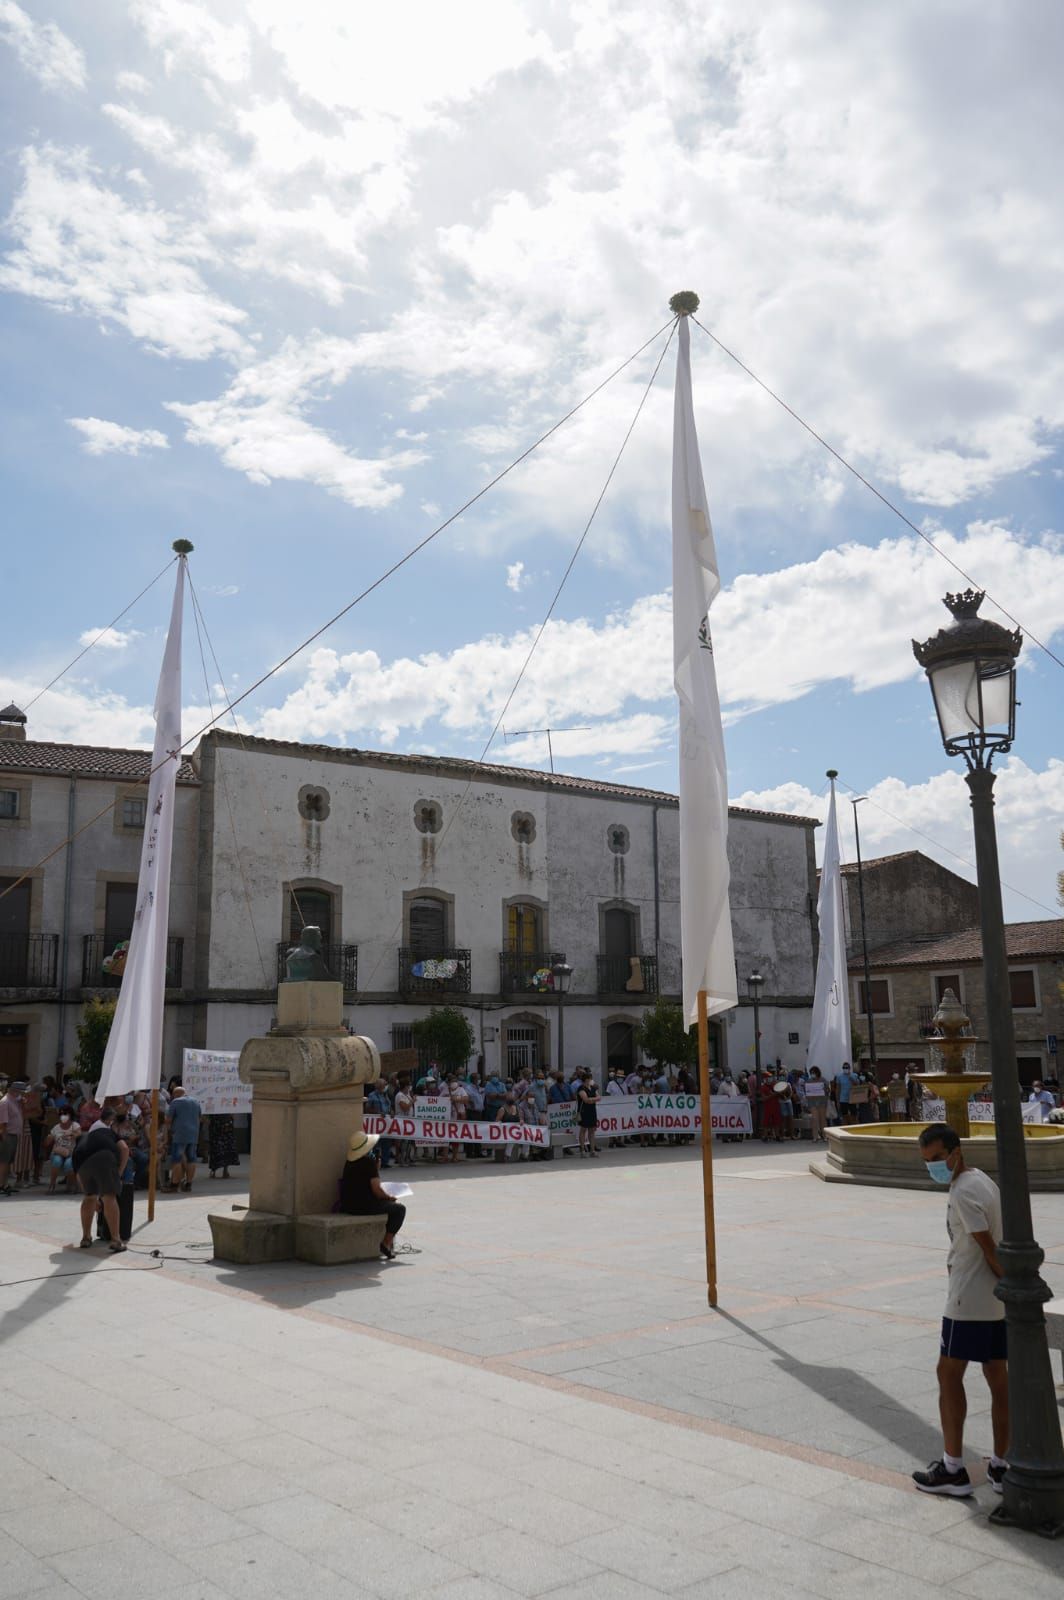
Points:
(620, 1046)
(428, 926)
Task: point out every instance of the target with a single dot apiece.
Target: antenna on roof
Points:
(527, 733)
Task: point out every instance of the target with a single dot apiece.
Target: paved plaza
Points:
(535, 1400)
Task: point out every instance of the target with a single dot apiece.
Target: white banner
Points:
(211, 1077)
(443, 1131)
(620, 1115)
(830, 1041)
(983, 1111)
(133, 1059)
(705, 915)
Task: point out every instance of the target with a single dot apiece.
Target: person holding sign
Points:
(816, 1100)
(363, 1195)
(587, 1096)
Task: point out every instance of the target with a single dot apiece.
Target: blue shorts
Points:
(974, 1341)
(62, 1163)
(183, 1152)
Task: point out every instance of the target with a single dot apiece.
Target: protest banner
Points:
(561, 1124)
(622, 1115)
(210, 1076)
(441, 1130)
(983, 1111)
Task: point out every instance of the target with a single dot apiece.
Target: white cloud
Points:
(109, 638)
(81, 247)
(631, 735)
(188, 33)
(105, 438)
(42, 48)
(259, 426)
(132, 83)
(516, 577)
(935, 817)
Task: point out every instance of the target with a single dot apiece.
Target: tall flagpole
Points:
(133, 1059)
(708, 958)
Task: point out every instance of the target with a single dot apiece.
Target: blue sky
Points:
(272, 283)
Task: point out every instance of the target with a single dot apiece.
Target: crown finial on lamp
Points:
(182, 547)
(685, 303)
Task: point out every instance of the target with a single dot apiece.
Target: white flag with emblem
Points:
(829, 1038)
(134, 1049)
(705, 913)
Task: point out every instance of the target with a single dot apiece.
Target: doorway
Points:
(524, 1048)
(14, 1049)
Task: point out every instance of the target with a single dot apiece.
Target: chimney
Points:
(12, 723)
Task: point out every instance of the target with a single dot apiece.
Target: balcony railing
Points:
(925, 1017)
(28, 960)
(97, 950)
(341, 960)
(627, 975)
(444, 972)
(527, 971)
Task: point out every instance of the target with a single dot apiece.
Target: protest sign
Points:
(445, 1130)
(621, 1115)
(983, 1111)
(432, 1106)
(210, 1076)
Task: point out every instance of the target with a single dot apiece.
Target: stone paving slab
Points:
(537, 1402)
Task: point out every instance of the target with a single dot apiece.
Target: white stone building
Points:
(490, 873)
(493, 874)
(77, 901)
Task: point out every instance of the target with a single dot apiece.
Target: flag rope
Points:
(909, 523)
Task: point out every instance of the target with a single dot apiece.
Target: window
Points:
(134, 811)
(522, 929)
(428, 927)
(120, 905)
(1023, 988)
(313, 803)
(310, 908)
(402, 1036)
(428, 816)
(879, 992)
(618, 933)
(943, 981)
(523, 827)
(9, 799)
(617, 839)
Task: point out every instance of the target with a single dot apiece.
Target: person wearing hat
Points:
(363, 1195)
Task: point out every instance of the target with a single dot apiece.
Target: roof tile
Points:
(1042, 940)
(82, 760)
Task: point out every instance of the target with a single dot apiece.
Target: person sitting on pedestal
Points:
(363, 1195)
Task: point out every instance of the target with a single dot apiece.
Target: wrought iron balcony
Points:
(627, 975)
(28, 960)
(444, 972)
(97, 950)
(925, 1016)
(527, 971)
(341, 960)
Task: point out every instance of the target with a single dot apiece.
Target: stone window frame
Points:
(312, 792)
(445, 899)
(630, 1019)
(427, 805)
(23, 787)
(544, 919)
(35, 875)
(1029, 1011)
(634, 911)
(333, 935)
(123, 792)
(859, 1005)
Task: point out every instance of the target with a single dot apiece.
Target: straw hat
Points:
(361, 1145)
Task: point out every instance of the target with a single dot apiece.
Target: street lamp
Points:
(753, 984)
(972, 669)
(864, 938)
(563, 977)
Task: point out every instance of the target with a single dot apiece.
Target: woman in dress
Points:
(363, 1195)
(221, 1144)
(587, 1098)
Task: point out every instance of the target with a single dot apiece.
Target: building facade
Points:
(434, 882)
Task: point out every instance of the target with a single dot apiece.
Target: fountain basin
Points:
(886, 1155)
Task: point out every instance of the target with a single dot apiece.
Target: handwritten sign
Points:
(211, 1077)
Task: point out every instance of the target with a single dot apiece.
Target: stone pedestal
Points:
(306, 1077)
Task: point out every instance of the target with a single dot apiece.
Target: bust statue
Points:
(305, 963)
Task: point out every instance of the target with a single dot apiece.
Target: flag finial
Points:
(183, 547)
(831, 773)
(684, 304)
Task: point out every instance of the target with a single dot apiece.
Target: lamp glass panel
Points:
(997, 699)
(956, 698)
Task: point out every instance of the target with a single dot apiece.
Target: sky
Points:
(295, 285)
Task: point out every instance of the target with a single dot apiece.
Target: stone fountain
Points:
(953, 1083)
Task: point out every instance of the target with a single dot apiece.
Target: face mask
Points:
(939, 1171)
(65, 1117)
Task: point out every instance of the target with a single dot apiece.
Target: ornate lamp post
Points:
(753, 984)
(971, 666)
(563, 977)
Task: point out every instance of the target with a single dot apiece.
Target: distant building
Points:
(906, 896)
(434, 881)
(910, 976)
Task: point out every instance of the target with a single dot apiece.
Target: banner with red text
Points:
(439, 1130)
(620, 1115)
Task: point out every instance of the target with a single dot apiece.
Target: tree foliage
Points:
(664, 1038)
(94, 1030)
(445, 1036)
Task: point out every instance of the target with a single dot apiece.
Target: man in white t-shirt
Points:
(973, 1327)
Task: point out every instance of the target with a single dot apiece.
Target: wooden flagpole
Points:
(153, 1153)
(707, 1148)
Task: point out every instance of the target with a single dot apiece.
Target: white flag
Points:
(829, 1037)
(705, 915)
(134, 1049)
